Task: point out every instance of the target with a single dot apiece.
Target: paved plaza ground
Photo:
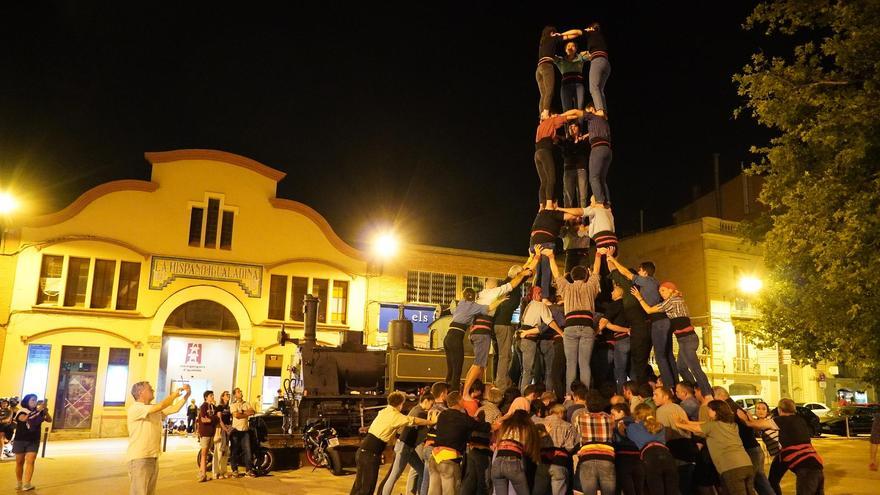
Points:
(96, 467)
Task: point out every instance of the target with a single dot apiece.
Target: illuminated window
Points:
(271, 379)
(299, 286)
(77, 282)
(117, 378)
(211, 224)
(277, 294)
(339, 303)
(127, 291)
(102, 283)
(36, 372)
(320, 288)
(50, 280)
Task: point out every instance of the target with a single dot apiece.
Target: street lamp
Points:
(8, 203)
(750, 284)
(385, 245)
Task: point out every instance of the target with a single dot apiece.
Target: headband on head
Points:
(669, 285)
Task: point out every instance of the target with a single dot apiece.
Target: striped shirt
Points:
(580, 294)
(675, 307)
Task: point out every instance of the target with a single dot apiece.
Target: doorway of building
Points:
(75, 397)
(199, 348)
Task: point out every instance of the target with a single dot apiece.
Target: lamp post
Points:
(8, 205)
(383, 247)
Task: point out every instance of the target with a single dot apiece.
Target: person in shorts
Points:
(28, 427)
(207, 426)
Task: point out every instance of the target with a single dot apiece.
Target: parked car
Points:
(859, 418)
(747, 402)
(818, 408)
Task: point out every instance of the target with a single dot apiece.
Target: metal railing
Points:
(746, 365)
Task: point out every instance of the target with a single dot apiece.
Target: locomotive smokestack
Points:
(310, 310)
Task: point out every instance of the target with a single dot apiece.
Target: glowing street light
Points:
(750, 285)
(8, 203)
(385, 245)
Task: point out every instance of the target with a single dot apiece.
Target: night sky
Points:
(422, 118)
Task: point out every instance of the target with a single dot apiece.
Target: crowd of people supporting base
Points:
(575, 403)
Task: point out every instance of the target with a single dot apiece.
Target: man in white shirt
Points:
(241, 410)
(145, 434)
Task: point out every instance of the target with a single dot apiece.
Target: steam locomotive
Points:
(346, 386)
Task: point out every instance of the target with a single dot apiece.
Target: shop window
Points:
(102, 283)
(127, 292)
(226, 230)
(116, 386)
(339, 303)
(50, 280)
(195, 226)
(299, 286)
(77, 282)
(430, 287)
(277, 295)
(320, 288)
(271, 379)
(36, 371)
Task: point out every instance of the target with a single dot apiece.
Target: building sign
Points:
(165, 270)
(420, 316)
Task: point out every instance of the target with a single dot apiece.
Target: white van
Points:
(747, 402)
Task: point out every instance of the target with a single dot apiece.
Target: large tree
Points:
(819, 93)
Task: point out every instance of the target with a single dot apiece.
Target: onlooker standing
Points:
(145, 434)
(6, 427)
(28, 428)
(241, 442)
(221, 437)
(192, 411)
(207, 426)
(725, 447)
(875, 441)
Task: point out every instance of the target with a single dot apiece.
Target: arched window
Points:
(202, 314)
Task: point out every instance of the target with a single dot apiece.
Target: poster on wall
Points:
(203, 363)
(420, 316)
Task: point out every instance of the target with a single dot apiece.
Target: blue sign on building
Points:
(420, 316)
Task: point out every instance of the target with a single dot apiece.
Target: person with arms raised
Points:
(145, 421)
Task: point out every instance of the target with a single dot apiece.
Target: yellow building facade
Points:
(189, 277)
(706, 259)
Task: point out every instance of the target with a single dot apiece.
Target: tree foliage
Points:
(820, 94)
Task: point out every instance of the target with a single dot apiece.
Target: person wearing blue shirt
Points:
(650, 437)
(661, 335)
